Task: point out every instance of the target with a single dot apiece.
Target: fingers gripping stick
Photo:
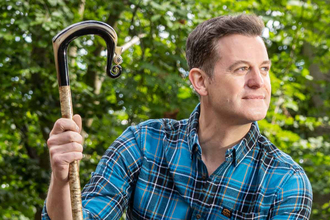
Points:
(60, 45)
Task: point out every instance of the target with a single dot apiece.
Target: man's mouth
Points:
(254, 97)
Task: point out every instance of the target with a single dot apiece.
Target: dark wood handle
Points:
(74, 181)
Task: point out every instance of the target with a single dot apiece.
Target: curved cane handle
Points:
(60, 45)
(63, 39)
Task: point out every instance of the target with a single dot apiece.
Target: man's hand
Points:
(65, 146)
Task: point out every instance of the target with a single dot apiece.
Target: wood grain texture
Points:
(66, 102)
(74, 181)
(75, 191)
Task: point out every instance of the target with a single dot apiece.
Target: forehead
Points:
(239, 47)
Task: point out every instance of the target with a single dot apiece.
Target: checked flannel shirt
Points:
(155, 170)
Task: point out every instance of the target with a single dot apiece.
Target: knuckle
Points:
(58, 127)
(71, 136)
(73, 146)
(76, 147)
(79, 138)
(50, 142)
(79, 156)
(60, 124)
(80, 148)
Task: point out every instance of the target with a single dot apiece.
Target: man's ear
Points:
(198, 79)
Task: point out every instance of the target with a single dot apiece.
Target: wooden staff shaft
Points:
(74, 181)
(60, 45)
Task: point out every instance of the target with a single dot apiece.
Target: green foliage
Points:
(153, 84)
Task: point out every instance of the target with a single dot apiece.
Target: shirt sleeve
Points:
(294, 199)
(108, 192)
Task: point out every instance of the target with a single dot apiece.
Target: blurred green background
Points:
(153, 84)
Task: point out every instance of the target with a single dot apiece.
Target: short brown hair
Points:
(202, 41)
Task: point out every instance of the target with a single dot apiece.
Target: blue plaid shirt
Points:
(155, 170)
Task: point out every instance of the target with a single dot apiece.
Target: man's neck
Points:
(216, 135)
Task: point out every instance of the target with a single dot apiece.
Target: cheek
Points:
(232, 90)
(268, 86)
(227, 88)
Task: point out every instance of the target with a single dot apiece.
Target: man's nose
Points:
(255, 79)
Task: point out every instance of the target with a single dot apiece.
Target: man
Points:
(214, 165)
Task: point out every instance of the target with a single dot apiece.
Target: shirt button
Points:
(204, 177)
(198, 216)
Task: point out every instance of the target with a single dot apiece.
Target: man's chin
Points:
(256, 116)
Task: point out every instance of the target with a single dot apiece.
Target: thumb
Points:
(77, 119)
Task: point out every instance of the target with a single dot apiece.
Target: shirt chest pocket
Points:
(227, 214)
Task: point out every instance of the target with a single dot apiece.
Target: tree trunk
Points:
(317, 75)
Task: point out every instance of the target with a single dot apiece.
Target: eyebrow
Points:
(230, 68)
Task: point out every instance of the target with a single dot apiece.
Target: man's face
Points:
(240, 89)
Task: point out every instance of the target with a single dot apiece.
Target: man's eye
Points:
(243, 68)
(265, 69)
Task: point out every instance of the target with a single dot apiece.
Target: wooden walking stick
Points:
(60, 45)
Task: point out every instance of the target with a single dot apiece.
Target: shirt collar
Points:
(248, 142)
(238, 152)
